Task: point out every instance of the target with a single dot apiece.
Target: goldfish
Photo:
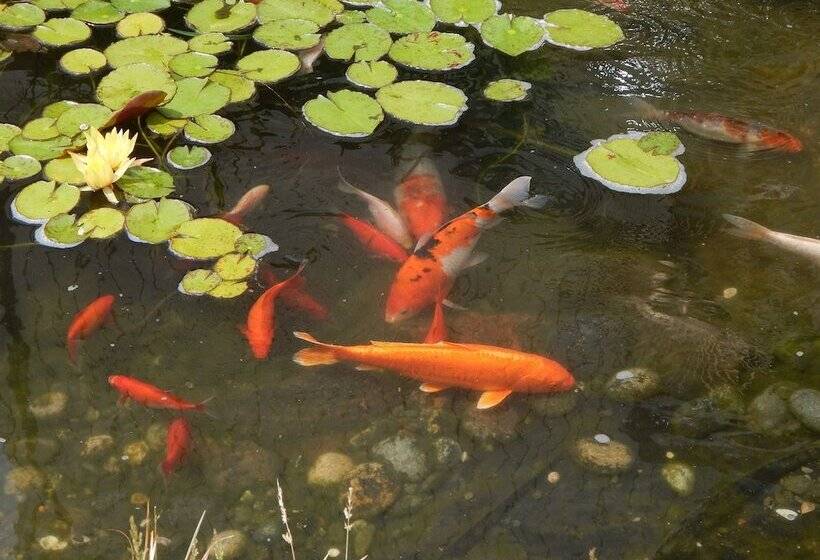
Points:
(259, 328)
(177, 445)
(149, 395)
(617, 5)
(747, 229)
(294, 295)
(384, 216)
(378, 243)
(496, 372)
(713, 126)
(438, 329)
(86, 321)
(431, 270)
(245, 204)
(420, 199)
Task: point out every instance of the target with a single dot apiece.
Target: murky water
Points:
(601, 281)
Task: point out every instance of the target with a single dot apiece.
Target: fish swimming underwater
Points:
(374, 240)
(747, 229)
(431, 270)
(245, 204)
(438, 329)
(149, 395)
(496, 372)
(86, 321)
(617, 5)
(177, 445)
(384, 216)
(294, 295)
(420, 199)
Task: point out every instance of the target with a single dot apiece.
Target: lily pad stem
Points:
(525, 126)
(149, 142)
(168, 147)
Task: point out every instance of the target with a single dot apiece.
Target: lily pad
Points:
(371, 75)
(402, 16)
(40, 201)
(43, 128)
(228, 289)
(54, 110)
(188, 157)
(199, 282)
(209, 129)
(15, 168)
(513, 35)
(464, 12)
(7, 132)
(81, 62)
(288, 34)
(59, 232)
(139, 24)
(156, 221)
(359, 41)
(255, 245)
(196, 96)
(136, 6)
(98, 12)
(57, 5)
(661, 143)
(242, 89)
(147, 49)
(63, 170)
(162, 125)
(360, 3)
(101, 223)
(433, 51)
(235, 266)
(193, 64)
(321, 12)
(269, 66)
(205, 238)
(423, 102)
(210, 43)
(82, 117)
(43, 150)
(216, 15)
(123, 84)
(62, 32)
(146, 182)
(507, 90)
(344, 113)
(353, 16)
(580, 30)
(20, 16)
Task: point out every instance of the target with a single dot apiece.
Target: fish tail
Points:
(347, 187)
(746, 229)
(516, 193)
(646, 109)
(322, 354)
(200, 406)
(71, 346)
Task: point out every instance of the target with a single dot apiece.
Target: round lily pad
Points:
(269, 66)
(360, 3)
(661, 143)
(255, 245)
(193, 64)
(62, 32)
(205, 238)
(98, 12)
(146, 182)
(353, 16)
(344, 113)
(423, 102)
(81, 62)
(82, 117)
(513, 35)
(228, 289)
(147, 49)
(162, 125)
(43, 150)
(140, 23)
(188, 157)
(57, 5)
(199, 282)
(210, 43)
(433, 51)
(59, 232)
(371, 75)
(359, 41)
(288, 34)
(402, 16)
(40, 201)
(54, 110)
(15, 168)
(209, 129)
(101, 223)
(241, 88)
(321, 12)
(63, 170)
(7, 132)
(136, 6)
(235, 266)
(580, 30)
(20, 16)
(123, 84)
(43, 128)
(464, 12)
(196, 96)
(216, 15)
(507, 90)
(156, 221)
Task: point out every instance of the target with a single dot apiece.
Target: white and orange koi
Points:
(747, 229)
(384, 216)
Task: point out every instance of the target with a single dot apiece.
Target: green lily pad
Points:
(660, 143)
(137, 6)
(98, 12)
(57, 5)
(188, 157)
(62, 32)
(7, 132)
(101, 223)
(255, 245)
(353, 16)
(464, 12)
(21, 16)
(147, 49)
(81, 62)
(15, 168)
(288, 34)
(209, 129)
(40, 201)
(507, 90)
(4, 54)
(359, 41)
(216, 15)
(146, 182)
(199, 282)
(371, 75)
(123, 84)
(82, 117)
(433, 51)
(139, 24)
(63, 170)
(235, 266)
(269, 66)
(580, 30)
(156, 221)
(402, 16)
(242, 89)
(54, 110)
(193, 64)
(162, 125)
(318, 11)
(59, 232)
(513, 35)
(210, 43)
(423, 102)
(42, 150)
(228, 289)
(43, 128)
(360, 3)
(196, 96)
(205, 238)
(344, 113)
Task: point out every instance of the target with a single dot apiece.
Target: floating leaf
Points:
(360, 41)
(353, 16)
(235, 266)
(101, 223)
(43, 150)
(371, 75)
(146, 182)
(580, 30)
(288, 34)
(344, 113)
(54, 110)
(123, 84)
(660, 143)
(360, 3)
(205, 238)
(21, 16)
(320, 12)
(81, 62)
(242, 89)
(97, 12)
(210, 43)
(402, 16)
(193, 64)
(14, 168)
(162, 125)
(136, 6)
(57, 5)
(216, 15)
(40, 201)
(423, 102)
(507, 90)
(43, 128)
(138, 24)
(464, 12)
(255, 245)
(513, 35)
(156, 221)
(188, 157)
(59, 232)
(82, 117)
(148, 49)
(199, 282)
(228, 289)
(62, 32)
(196, 96)
(7, 132)
(433, 51)
(269, 66)
(63, 170)
(209, 129)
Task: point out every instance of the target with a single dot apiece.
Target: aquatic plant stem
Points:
(149, 141)
(287, 536)
(521, 138)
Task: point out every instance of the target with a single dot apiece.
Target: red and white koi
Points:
(420, 199)
(374, 240)
(86, 321)
(747, 229)
(245, 204)
(384, 216)
(149, 395)
(177, 445)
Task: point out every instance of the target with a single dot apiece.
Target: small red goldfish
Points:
(86, 321)
(617, 5)
(177, 445)
(384, 216)
(420, 199)
(378, 243)
(149, 395)
(496, 372)
(438, 329)
(245, 204)
(294, 295)
(432, 269)
(261, 323)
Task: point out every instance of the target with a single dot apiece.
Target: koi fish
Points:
(747, 229)
(384, 216)
(294, 295)
(177, 445)
(378, 243)
(259, 328)
(245, 204)
(149, 395)
(420, 199)
(438, 329)
(86, 321)
(617, 5)
(496, 372)
(713, 126)
(308, 57)
(431, 270)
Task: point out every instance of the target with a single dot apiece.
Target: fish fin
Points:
(432, 388)
(243, 329)
(536, 202)
(490, 399)
(451, 305)
(746, 229)
(646, 109)
(346, 186)
(315, 357)
(422, 241)
(365, 367)
(71, 346)
(476, 259)
(514, 194)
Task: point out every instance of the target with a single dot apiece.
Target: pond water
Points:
(600, 281)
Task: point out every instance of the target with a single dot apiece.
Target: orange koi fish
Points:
(420, 199)
(86, 321)
(438, 329)
(432, 269)
(149, 395)
(617, 5)
(384, 216)
(378, 243)
(295, 295)
(261, 323)
(245, 204)
(496, 372)
(177, 445)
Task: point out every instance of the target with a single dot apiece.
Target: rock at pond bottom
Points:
(497, 424)
(363, 533)
(605, 458)
(403, 454)
(48, 405)
(769, 412)
(554, 405)
(633, 384)
(329, 468)
(680, 477)
(228, 545)
(373, 491)
(96, 445)
(52, 543)
(805, 404)
(21, 480)
(447, 451)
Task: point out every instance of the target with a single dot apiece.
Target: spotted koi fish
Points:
(420, 199)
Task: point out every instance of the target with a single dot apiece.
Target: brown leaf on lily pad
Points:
(136, 107)
(20, 42)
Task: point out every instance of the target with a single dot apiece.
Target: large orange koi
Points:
(420, 199)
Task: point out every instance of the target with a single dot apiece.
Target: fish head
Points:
(418, 283)
(116, 380)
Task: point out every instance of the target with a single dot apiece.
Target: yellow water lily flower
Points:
(106, 159)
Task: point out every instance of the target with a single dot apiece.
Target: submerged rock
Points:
(805, 405)
(487, 425)
(769, 412)
(373, 491)
(239, 465)
(447, 451)
(155, 436)
(135, 453)
(38, 450)
(363, 533)
(554, 405)
(52, 543)
(402, 452)
(97, 444)
(329, 469)
(603, 457)
(633, 384)
(680, 477)
(21, 480)
(229, 545)
(698, 418)
(48, 405)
